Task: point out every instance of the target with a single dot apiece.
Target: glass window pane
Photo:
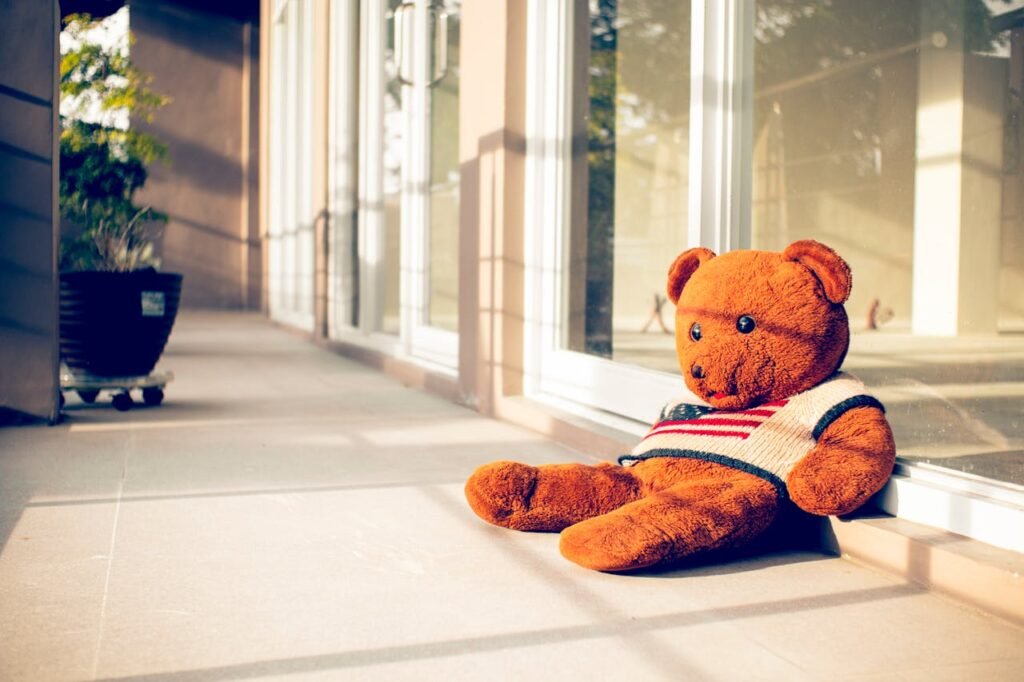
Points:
(392, 183)
(443, 264)
(629, 177)
(892, 132)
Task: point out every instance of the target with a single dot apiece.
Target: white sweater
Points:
(767, 441)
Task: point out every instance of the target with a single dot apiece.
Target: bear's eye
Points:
(695, 331)
(745, 324)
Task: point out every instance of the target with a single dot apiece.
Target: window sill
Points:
(411, 372)
(984, 576)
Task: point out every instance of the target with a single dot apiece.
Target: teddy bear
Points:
(772, 422)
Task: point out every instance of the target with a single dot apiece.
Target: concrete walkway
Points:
(288, 514)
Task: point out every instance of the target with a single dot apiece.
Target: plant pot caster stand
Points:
(89, 386)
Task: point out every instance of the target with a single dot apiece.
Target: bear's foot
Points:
(548, 498)
(500, 493)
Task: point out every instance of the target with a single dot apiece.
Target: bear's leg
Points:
(684, 519)
(550, 497)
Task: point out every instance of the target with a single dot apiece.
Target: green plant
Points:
(103, 164)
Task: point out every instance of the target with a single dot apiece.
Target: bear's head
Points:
(757, 326)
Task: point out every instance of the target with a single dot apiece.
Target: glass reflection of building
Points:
(889, 130)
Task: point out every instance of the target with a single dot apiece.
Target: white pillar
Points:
(958, 186)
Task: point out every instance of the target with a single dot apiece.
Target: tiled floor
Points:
(288, 514)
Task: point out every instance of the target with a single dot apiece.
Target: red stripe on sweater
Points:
(756, 412)
(713, 421)
(700, 432)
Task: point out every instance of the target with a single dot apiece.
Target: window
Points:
(610, 161)
(892, 131)
(629, 179)
(443, 241)
(888, 130)
(292, 210)
(393, 168)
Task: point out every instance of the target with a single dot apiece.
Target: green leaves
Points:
(102, 164)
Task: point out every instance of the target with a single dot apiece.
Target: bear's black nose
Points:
(697, 371)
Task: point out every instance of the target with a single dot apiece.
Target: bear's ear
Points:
(831, 270)
(683, 268)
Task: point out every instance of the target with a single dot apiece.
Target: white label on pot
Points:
(152, 304)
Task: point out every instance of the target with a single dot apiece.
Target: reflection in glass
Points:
(443, 250)
(629, 204)
(892, 131)
(392, 185)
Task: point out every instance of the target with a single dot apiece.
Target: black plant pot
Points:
(116, 324)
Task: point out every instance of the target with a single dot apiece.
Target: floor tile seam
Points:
(256, 422)
(929, 666)
(960, 603)
(771, 651)
(342, 488)
(110, 564)
(754, 634)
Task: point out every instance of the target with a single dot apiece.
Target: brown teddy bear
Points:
(760, 337)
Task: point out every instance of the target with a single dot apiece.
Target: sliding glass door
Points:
(889, 130)
(293, 208)
(407, 207)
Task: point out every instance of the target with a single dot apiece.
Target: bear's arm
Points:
(851, 462)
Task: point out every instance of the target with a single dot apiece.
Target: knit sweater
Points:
(767, 441)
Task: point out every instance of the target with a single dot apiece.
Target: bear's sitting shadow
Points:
(794, 537)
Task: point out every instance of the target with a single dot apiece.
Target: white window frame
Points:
(419, 338)
(721, 132)
(370, 188)
(358, 190)
(721, 124)
(719, 213)
(291, 211)
(979, 508)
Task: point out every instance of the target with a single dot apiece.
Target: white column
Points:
(957, 196)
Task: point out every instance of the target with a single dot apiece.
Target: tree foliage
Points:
(103, 165)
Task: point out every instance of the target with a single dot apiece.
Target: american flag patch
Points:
(697, 420)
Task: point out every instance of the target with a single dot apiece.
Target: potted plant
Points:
(116, 310)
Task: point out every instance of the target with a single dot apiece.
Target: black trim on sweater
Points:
(838, 410)
(778, 483)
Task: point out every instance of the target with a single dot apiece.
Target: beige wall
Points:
(207, 63)
(28, 207)
(492, 155)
